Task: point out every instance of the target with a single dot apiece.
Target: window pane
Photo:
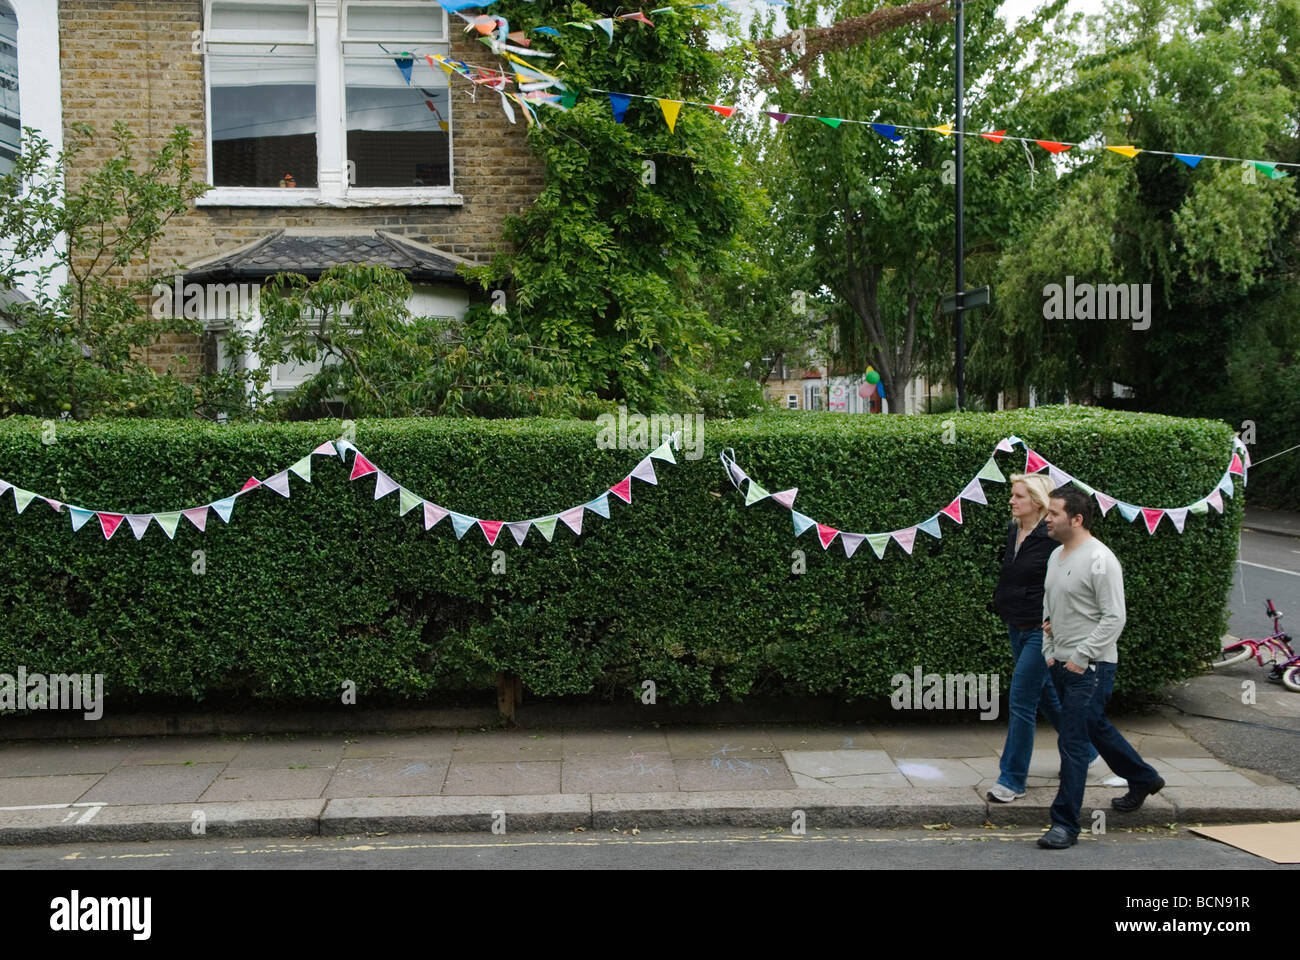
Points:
(263, 119)
(398, 135)
(381, 21)
(258, 22)
(10, 123)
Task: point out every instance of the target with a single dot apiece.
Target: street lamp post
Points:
(959, 199)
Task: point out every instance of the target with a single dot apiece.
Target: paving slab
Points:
(523, 778)
(455, 814)
(387, 777)
(508, 747)
(1220, 778)
(436, 746)
(732, 773)
(288, 754)
(599, 743)
(255, 783)
(873, 780)
(183, 750)
(1196, 764)
(634, 773)
(728, 743)
(1168, 747)
(938, 772)
(935, 742)
(36, 759)
(154, 784)
(818, 738)
(838, 763)
(16, 791)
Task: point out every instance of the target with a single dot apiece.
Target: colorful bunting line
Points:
(973, 492)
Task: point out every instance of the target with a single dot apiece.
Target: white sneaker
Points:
(1003, 794)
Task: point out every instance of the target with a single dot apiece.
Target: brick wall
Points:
(133, 61)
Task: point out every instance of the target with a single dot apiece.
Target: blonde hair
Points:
(1039, 489)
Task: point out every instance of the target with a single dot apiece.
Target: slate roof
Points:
(310, 252)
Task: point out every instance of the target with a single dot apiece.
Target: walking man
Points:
(1083, 614)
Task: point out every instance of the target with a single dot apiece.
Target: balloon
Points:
(873, 377)
(881, 388)
(866, 390)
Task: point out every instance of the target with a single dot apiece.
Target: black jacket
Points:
(1018, 598)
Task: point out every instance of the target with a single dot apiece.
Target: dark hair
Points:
(1077, 503)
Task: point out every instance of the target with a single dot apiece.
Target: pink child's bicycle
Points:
(1277, 649)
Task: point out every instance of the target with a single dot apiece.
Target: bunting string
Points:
(973, 492)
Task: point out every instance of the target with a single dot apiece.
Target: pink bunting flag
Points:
(906, 538)
(826, 534)
(622, 490)
(973, 492)
(1033, 462)
(953, 510)
(1152, 517)
(573, 517)
(432, 514)
(326, 449)
(279, 483)
(197, 516)
(638, 15)
(384, 484)
(1105, 502)
(55, 505)
(139, 523)
(1235, 466)
(1215, 500)
(490, 530)
(109, 522)
(1178, 517)
(250, 483)
(851, 541)
(786, 497)
(361, 466)
(1004, 445)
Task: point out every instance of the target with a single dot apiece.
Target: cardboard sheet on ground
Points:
(1279, 842)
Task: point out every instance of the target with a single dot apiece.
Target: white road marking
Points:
(1263, 566)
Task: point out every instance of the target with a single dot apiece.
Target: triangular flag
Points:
(801, 523)
(1178, 517)
(888, 131)
(953, 510)
(664, 452)
(432, 514)
(1128, 511)
(1104, 502)
(1033, 462)
(623, 489)
(4, 485)
(600, 505)
(670, 108)
(786, 497)
(755, 493)
(1199, 507)
(573, 519)
(1190, 159)
(831, 122)
(1051, 146)
(327, 448)
(547, 526)
(197, 516)
(973, 492)
(722, 111)
(79, 517)
(1235, 466)
(606, 24)
(1059, 477)
(57, 505)
(404, 65)
(490, 530)
(361, 466)
(406, 501)
(645, 470)
(1004, 445)
(548, 30)
(1269, 169)
(139, 523)
(996, 136)
(1226, 485)
(906, 538)
(343, 446)
(851, 541)
(460, 523)
(1082, 486)
(878, 543)
(931, 527)
(1215, 500)
(223, 508)
(991, 472)
(303, 468)
(1152, 517)
(250, 484)
(22, 498)
(519, 530)
(944, 128)
(636, 15)
(826, 534)
(279, 483)
(1129, 152)
(778, 117)
(109, 522)
(384, 484)
(618, 103)
(168, 522)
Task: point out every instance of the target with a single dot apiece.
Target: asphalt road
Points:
(1268, 567)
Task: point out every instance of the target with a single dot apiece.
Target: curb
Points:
(874, 808)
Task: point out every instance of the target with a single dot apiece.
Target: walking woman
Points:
(1018, 600)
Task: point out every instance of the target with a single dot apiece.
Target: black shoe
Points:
(1136, 794)
(1057, 839)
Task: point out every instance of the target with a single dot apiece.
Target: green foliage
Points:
(685, 586)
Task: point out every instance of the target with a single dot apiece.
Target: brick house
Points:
(319, 147)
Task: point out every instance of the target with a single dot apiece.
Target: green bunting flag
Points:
(168, 522)
(991, 472)
(407, 501)
(303, 468)
(754, 493)
(547, 526)
(878, 543)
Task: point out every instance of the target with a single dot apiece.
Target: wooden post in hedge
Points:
(510, 694)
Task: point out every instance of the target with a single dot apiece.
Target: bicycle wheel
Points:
(1236, 653)
(1291, 678)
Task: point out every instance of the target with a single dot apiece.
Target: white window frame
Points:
(327, 33)
(792, 401)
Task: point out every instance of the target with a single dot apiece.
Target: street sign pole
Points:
(960, 253)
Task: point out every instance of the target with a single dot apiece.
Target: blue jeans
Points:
(1031, 689)
(1083, 726)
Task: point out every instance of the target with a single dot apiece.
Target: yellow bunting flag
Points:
(945, 129)
(1129, 152)
(671, 108)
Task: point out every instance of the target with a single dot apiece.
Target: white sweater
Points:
(1083, 596)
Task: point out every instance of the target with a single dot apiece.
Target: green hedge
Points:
(686, 586)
